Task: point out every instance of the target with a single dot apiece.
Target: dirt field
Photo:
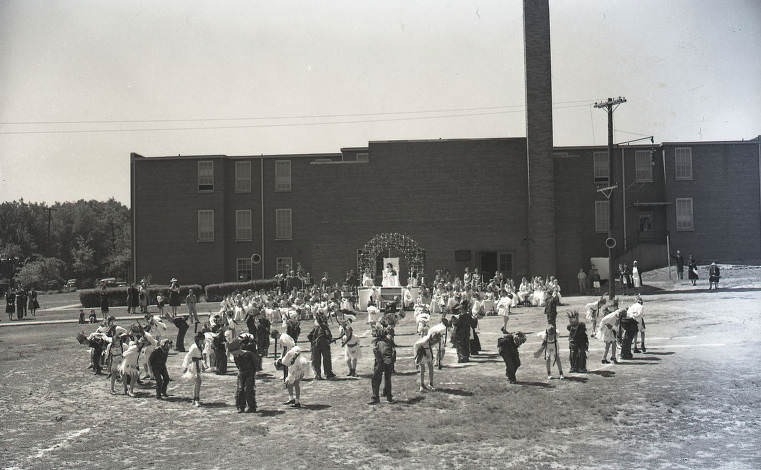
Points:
(692, 401)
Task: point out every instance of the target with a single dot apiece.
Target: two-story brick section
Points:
(219, 218)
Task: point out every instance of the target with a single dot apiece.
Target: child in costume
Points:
(116, 357)
(297, 368)
(607, 332)
(385, 356)
(352, 351)
(193, 365)
(508, 346)
(593, 311)
(423, 350)
(578, 342)
(320, 337)
(504, 305)
(636, 312)
(128, 368)
(246, 359)
(550, 349)
(440, 329)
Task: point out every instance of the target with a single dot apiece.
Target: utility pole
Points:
(610, 105)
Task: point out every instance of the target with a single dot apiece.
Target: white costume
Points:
(297, 364)
(390, 278)
(608, 334)
(636, 312)
(373, 314)
(129, 361)
(504, 305)
(352, 349)
(367, 280)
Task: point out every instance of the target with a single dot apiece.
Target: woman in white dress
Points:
(390, 276)
(367, 279)
(636, 276)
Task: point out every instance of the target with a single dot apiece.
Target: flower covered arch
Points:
(406, 246)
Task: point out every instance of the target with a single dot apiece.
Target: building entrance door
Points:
(488, 264)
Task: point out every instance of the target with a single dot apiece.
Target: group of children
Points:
(241, 331)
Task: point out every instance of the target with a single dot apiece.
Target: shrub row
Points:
(117, 296)
(216, 292)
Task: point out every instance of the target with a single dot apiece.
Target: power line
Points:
(249, 126)
(296, 116)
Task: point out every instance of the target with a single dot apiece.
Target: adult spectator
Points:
(10, 302)
(582, 278)
(713, 276)
(174, 296)
(679, 264)
(21, 302)
(133, 298)
(103, 297)
(693, 267)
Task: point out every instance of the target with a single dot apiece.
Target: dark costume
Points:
(263, 328)
(475, 342)
(385, 356)
(96, 355)
(20, 304)
(182, 327)
(578, 343)
(293, 329)
(157, 363)
(630, 329)
(508, 349)
(220, 353)
(321, 337)
(461, 336)
(551, 310)
(247, 362)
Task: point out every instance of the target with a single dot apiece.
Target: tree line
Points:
(45, 244)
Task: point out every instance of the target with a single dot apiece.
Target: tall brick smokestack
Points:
(541, 175)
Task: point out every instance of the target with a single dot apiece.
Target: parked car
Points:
(71, 285)
(110, 281)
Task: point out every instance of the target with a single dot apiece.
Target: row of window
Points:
(243, 176)
(244, 226)
(244, 267)
(643, 165)
(684, 216)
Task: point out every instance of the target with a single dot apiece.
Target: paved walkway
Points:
(70, 320)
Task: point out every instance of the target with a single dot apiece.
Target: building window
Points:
(282, 176)
(242, 177)
(684, 219)
(601, 167)
(283, 264)
(243, 230)
(283, 227)
(646, 222)
(643, 166)
(206, 225)
(683, 163)
(206, 175)
(601, 216)
(506, 263)
(243, 269)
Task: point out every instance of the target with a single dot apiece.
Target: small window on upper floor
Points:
(683, 163)
(282, 176)
(643, 166)
(243, 177)
(206, 176)
(601, 167)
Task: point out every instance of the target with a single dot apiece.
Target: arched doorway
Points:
(392, 245)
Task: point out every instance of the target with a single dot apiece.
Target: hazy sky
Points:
(427, 69)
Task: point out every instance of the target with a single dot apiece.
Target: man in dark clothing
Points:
(247, 360)
(157, 363)
(679, 264)
(578, 343)
(385, 356)
(508, 348)
(551, 308)
(321, 337)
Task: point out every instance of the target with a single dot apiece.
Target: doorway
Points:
(488, 264)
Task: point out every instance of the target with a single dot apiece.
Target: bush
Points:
(117, 296)
(216, 292)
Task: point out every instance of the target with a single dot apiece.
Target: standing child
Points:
(607, 333)
(578, 342)
(352, 351)
(157, 362)
(246, 359)
(297, 366)
(193, 364)
(550, 349)
(637, 312)
(191, 301)
(128, 368)
(508, 348)
(593, 310)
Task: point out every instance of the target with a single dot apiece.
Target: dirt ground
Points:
(692, 401)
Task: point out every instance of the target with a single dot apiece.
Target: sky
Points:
(85, 82)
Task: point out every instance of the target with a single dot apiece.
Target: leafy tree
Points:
(82, 256)
(40, 271)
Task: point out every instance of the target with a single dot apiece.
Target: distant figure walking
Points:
(679, 264)
(693, 270)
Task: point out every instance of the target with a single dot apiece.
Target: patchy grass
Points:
(687, 403)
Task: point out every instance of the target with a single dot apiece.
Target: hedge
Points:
(216, 292)
(117, 296)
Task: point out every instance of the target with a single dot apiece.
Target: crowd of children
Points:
(449, 310)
